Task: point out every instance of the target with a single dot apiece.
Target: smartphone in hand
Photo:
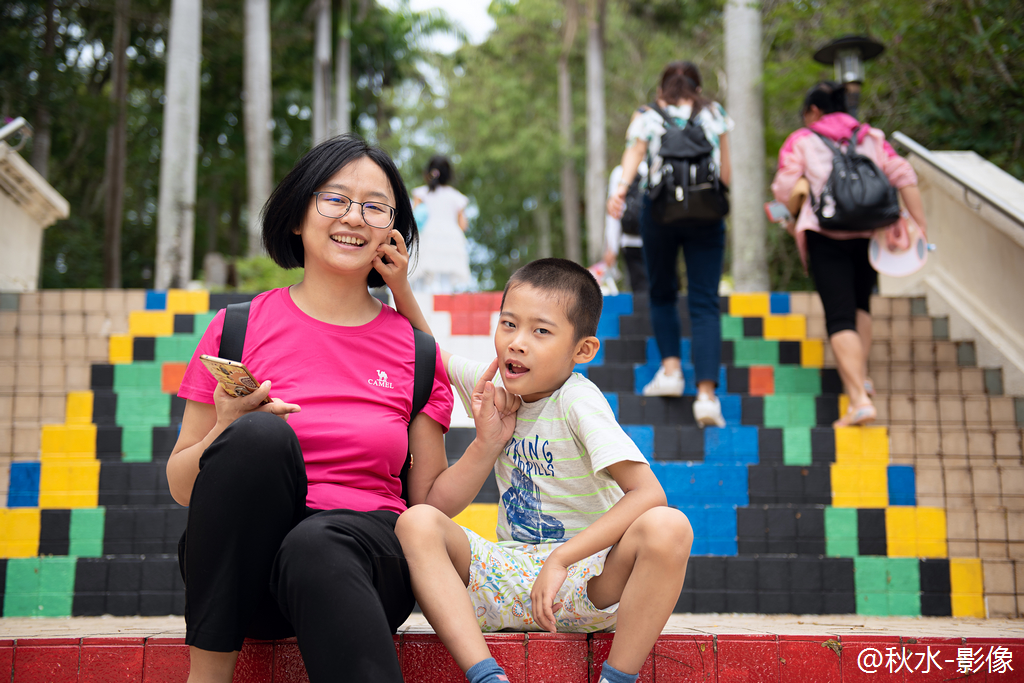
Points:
(232, 375)
(777, 212)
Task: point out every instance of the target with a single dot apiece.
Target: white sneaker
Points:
(708, 411)
(664, 384)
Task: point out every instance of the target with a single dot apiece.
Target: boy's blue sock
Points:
(610, 674)
(486, 671)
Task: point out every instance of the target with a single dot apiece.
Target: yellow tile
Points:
(80, 438)
(874, 482)
(900, 522)
(932, 547)
(199, 301)
(151, 323)
(749, 305)
(186, 301)
(774, 327)
(876, 442)
(844, 404)
(931, 523)
(859, 486)
(812, 353)
(83, 484)
(52, 439)
(121, 349)
(901, 547)
(796, 327)
(968, 605)
(21, 532)
(785, 327)
(79, 407)
(862, 445)
(965, 576)
(481, 518)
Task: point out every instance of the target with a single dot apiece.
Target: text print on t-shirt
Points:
(381, 380)
(532, 457)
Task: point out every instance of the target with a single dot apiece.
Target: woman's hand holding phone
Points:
(230, 408)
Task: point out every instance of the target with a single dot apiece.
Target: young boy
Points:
(586, 540)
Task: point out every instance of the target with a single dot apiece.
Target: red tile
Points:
(509, 650)
(6, 659)
(425, 659)
(685, 659)
(116, 659)
(601, 645)
(166, 661)
(481, 323)
(442, 302)
(762, 380)
(35, 661)
(865, 659)
(805, 659)
(748, 659)
(462, 323)
(288, 664)
(255, 662)
(461, 303)
(486, 301)
(557, 658)
(171, 375)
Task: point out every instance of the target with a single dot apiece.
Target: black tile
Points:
(89, 604)
(728, 352)
(657, 409)
(118, 529)
(123, 603)
(772, 574)
(685, 602)
(810, 530)
(826, 410)
(631, 409)
(184, 323)
(178, 605)
(750, 521)
(807, 603)
(148, 534)
(789, 483)
(936, 605)
(871, 532)
(691, 442)
(488, 493)
(737, 380)
(632, 350)
(164, 439)
(838, 603)
(113, 486)
(837, 575)
(54, 532)
(723, 305)
(143, 483)
(108, 442)
(817, 485)
(823, 445)
(177, 409)
(769, 445)
(666, 442)
(457, 440)
(612, 377)
(155, 603)
(160, 574)
(91, 575)
(773, 602)
(830, 381)
(680, 411)
(175, 519)
(743, 602)
(789, 353)
(635, 326)
(223, 299)
(752, 411)
(124, 574)
(101, 376)
(709, 573)
(805, 575)
(761, 484)
(709, 601)
(104, 406)
(935, 576)
(143, 348)
(741, 574)
(781, 523)
(753, 327)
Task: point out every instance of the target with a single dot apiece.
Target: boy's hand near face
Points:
(494, 409)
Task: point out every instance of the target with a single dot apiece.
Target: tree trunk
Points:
(257, 114)
(344, 74)
(596, 175)
(177, 204)
(743, 67)
(117, 149)
(570, 183)
(321, 71)
(41, 136)
(542, 216)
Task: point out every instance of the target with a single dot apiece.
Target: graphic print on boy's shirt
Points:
(552, 476)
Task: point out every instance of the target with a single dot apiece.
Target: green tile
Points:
(904, 575)
(748, 352)
(137, 443)
(22, 576)
(869, 575)
(873, 604)
(796, 446)
(138, 375)
(841, 546)
(143, 408)
(840, 522)
(732, 328)
(905, 604)
(202, 321)
(21, 605)
(177, 348)
(86, 547)
(55, 604)
(790, 379)
(790, 411)
(87, 532)
(57, 574)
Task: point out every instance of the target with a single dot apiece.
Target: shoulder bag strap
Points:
(663, 114)
(232, 338)
(423, 382)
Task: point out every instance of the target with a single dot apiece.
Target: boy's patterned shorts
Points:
(501, 577)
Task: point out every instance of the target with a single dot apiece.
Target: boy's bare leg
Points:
(206, 666)
(644, 573)
(438, 553)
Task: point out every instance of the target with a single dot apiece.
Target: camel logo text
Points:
(381, 381)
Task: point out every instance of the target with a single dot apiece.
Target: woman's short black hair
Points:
(828, 96)
(289, 202)
(681, 80)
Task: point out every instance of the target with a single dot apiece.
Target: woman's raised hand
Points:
(394, 270)
(229, 408)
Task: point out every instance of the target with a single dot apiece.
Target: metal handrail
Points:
(18, 124)
(926, 154)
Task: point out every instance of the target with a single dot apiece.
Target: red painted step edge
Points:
(551, 658)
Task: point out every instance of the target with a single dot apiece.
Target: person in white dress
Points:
(443, 264)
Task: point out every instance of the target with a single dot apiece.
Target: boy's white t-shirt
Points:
(552, 477)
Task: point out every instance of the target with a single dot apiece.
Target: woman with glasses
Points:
(443, 265)
(292, 505)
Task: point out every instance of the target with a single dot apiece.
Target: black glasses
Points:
(334, 205)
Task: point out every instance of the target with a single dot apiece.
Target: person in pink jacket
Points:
(838, 260)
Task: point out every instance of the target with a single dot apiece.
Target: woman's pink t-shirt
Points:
(354, 385)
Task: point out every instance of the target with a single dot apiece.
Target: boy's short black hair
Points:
(575, 286)
(289, 202)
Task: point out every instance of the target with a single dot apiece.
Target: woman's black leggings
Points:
(257, 562)
(843, 277)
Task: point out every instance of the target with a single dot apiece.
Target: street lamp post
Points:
(848, 55)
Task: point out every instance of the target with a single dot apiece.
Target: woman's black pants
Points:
(257, 562)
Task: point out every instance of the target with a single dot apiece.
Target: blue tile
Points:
(156, 300)
(654, 355)
(642, 374)
(779, 303)
(618, 304)
(732, 407)
(721, 530)
(643, 437)
(613, 401)
(901, 485)
(23, 490)
(737, 444)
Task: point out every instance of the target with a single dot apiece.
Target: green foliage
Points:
(260, 273)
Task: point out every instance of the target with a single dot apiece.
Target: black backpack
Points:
(690, 188)
(857, 195)
(232, 341)
(631, 213)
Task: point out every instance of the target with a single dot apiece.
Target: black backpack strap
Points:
(232, 337)
(663, 114)
(422, 383)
